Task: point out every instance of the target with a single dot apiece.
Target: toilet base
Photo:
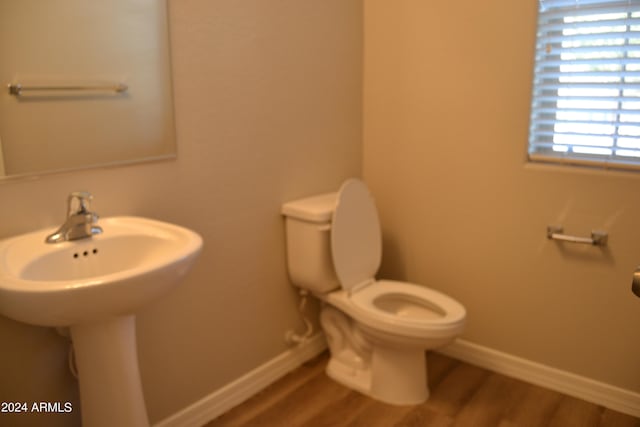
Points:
(391, 373)
(354, 378)
(397, 377)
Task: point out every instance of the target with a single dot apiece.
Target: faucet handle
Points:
(84, 199)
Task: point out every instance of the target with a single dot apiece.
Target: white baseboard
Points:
(243, 388)
(609, 396)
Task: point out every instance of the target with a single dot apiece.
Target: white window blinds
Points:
(586, 91)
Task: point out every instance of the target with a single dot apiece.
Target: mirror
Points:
(84, 84)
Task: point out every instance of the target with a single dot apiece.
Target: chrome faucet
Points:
(80, 221)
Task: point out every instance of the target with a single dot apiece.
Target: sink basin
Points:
(94, 286)
(132, 262)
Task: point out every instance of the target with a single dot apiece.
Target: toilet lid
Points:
(356, 241)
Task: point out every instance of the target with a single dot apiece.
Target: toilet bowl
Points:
(377, 330)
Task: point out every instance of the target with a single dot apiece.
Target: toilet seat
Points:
(391, 306)
(408, 306)
(432, 314)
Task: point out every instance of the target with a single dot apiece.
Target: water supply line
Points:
(290, 336)
(71, 361)
(71, 354)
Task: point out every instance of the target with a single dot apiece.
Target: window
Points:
(586, 90)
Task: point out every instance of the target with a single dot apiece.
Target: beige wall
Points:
(268, 108)
(446, 104)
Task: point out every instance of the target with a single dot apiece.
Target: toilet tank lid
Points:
(314, 209)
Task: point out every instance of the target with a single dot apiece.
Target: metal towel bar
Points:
(598, 238)
(17, 89)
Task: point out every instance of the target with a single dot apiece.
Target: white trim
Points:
(609, 396)
(236, 392)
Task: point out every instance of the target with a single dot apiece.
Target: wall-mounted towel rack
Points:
(18, 89)
(598, 238)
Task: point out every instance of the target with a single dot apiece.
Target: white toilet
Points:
(377, 331)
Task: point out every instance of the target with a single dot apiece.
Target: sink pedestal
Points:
(107, 362)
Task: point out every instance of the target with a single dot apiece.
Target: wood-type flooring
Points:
(462, 395)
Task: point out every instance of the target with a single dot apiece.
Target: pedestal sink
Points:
(94, 286)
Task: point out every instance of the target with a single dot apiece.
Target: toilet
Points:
(377, 330)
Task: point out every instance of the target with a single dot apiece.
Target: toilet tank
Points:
(308, 230)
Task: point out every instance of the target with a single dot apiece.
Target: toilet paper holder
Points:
(598, 238)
